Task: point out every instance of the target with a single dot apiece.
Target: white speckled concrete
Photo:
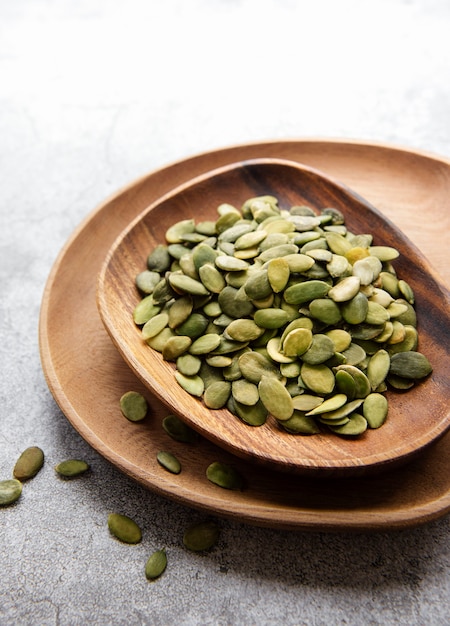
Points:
(94, 94)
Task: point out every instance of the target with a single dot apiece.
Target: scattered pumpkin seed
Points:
(201, 537)
(156, 565)
(178, 430)
(10, 491)
(29, 463)
(169, 461)
(133, 406)
(71, 468)
(124, 528)
(224, 476)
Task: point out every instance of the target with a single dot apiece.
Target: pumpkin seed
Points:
(29, 463)
(300, 424)
(224, 476)
(216, 395)
(245, 392)
(275, 398)
(375, 409)
(71, 468)
(194, 385)
(10, 491)
(331, 404)
(201, 536)
(154, 325)
(355, 426)
(410, 364)
(156, 565)
(133, 406)
(169, 461)
(124, 528)
(178, 430)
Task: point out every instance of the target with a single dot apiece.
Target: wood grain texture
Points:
(398, 440)
(87, 376)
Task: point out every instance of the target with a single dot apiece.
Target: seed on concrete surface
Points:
(71, 468)
(201, 537)
(156, 565)
(10, 491)
(124, 528)
(29, 463)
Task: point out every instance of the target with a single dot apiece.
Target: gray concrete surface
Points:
(94, 94)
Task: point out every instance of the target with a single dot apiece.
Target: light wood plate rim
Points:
(259, 512)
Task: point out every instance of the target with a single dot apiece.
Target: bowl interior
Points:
(416, 419)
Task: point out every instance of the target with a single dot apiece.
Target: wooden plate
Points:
(402, 437)
(87, 376)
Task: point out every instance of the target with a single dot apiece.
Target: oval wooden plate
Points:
(416, 418)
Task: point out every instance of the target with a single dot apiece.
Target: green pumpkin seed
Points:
(245, 392)
(306, 291)
(29, 463)
(412, 365)
(318, 378)
(375, 410)
(331, 404)
(255, 415)
(194, 326)
(156, 565)
(188, 364)
(178, 430)
(244, 330)
(159, 341)
(147, 280)
(72, 468)
(300, 424)
(154, 326)
(124, 528)
(341, 339)
(169, 461)
(216, 395)
(159, 259)
(320, 350)
(297, 342)
(224, 476)
(342, 412)
(378, 368)
(278, 272)
(201, 536)
(211, 278)
(275, 398)
(345, 289)
(270, 318)
(185, 284)
(134, 406)
(306, 402)
(357, 425)
(205, 344)
(354, 311)
(274, 351)
(194, 385)
(254, 366)
(325, 310)
(145, 310)
(10, 491)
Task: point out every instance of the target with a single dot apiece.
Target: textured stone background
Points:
(94, 94)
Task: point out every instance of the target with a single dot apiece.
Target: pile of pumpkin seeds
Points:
(282, 312)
